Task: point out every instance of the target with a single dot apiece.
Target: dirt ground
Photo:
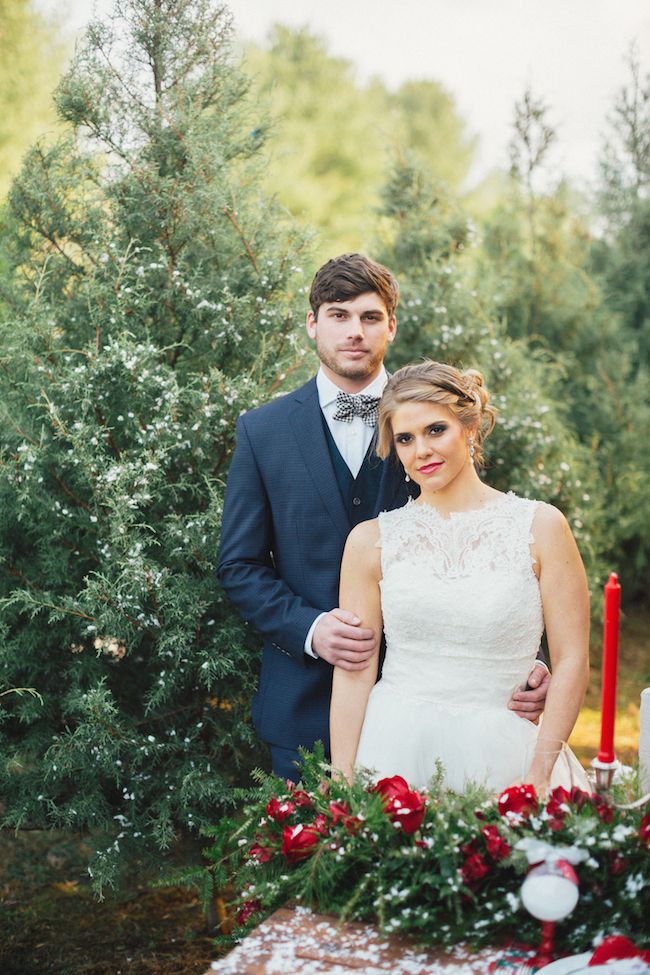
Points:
(51, 924)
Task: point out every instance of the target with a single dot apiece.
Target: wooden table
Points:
(298, 942)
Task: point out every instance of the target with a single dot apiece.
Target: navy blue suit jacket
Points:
(283, 533)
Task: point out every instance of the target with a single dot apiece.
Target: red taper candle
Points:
(610, 668)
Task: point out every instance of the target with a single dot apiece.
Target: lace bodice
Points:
(461, 602)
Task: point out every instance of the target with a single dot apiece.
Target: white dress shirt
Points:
(351, 438)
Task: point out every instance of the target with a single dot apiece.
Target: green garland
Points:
(439, 866)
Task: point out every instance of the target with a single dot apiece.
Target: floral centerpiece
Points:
(439, 866)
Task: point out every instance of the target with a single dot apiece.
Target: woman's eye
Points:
(437, 428)
(402, 438)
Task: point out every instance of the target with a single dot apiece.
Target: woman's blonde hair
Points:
(463, 393)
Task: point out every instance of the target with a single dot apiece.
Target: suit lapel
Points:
(307, 425)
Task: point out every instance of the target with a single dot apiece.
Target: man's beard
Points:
(350, 370)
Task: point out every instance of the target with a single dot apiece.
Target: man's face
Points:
(351, 338)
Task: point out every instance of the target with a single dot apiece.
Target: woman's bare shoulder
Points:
(363, 536)
(549, 521)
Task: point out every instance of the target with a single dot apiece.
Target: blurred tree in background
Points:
(152, 299)
(333, 137)
(31, 58)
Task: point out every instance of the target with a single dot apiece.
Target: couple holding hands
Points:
(353, 511)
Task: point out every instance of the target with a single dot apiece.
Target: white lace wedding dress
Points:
(463, 621)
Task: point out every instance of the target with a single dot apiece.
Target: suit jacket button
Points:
(356, 501)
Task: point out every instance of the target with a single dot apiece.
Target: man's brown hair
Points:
(349, 275)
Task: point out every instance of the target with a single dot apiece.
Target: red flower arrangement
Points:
(476, 853)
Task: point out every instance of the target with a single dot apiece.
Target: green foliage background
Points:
(153, 277)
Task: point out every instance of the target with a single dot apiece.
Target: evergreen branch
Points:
(278, 381)
(231, 216)
(22, 690)
(55, 420)
(43, 273)
(40, 604)
(109, 435)
(64, 487)
(118, 279)
(22, 433)
(109, 602)
(13, 571)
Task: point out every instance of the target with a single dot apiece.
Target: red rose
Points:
(603, 808)
(520, 800)
(246, 911)
(339, 814)
(578, 797)
(391, 788)
(474, 869)
(338, 811)
(298, 842)
(321, 824)
(558, 798)
(301, 798)
(403, 804)
(615, 948)
(495, 843)
(617, 863)
(470, 848)
(260, 853)
(279, 810)
(644, 829)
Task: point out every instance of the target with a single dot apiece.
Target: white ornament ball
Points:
(550, 891)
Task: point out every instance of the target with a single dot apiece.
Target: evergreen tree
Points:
(448, 312)
(153, 299)
(538, 256)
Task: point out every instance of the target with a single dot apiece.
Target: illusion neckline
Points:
(503, 496)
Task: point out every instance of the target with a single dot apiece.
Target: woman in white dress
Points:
(463, 581)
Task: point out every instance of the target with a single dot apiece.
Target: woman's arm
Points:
(359, 593)
(565, 599)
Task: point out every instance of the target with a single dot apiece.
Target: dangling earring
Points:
(472, 451)
(407, 478)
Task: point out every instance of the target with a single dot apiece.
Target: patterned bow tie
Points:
(347, 406)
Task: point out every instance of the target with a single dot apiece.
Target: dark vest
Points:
(359, 493)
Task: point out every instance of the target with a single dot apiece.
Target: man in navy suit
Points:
(303, 474)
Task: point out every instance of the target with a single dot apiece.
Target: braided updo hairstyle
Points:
(464, 393)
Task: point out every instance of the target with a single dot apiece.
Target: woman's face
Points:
(431, 443)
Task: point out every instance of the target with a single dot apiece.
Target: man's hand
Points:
(340, 640)
(530, 704)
